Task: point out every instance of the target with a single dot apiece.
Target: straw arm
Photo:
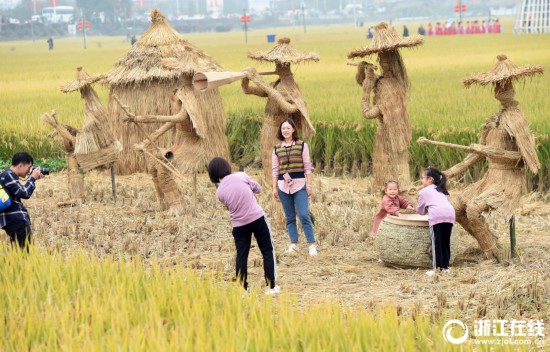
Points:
(270, 91)
(245, 85)
(485, 150)
(61, 130)
(367, 111)
(162, 130)
(469, 161)
(179, 117)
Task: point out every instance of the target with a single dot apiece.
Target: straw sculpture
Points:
(509, 147)
(284, 98)
(77, 190)
(408, 246)
(390, 157)
(146, 77)
(95, 145)
(197, 119)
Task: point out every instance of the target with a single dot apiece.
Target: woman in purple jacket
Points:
(236, 192)
(434, 200)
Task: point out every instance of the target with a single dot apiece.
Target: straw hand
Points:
(250, 72)
(422, 141)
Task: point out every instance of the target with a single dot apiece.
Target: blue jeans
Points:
(297, 203)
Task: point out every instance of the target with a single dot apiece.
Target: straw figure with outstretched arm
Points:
(192, 146)
(390, 157)
(68, 134)
(175, 128)
(284, 98)
(509, 147)
(94, 145)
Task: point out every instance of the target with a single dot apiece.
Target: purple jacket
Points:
(436, 204)
(236, 192)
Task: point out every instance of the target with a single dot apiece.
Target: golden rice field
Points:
(118, 274)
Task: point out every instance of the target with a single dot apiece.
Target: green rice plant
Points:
(80, 302)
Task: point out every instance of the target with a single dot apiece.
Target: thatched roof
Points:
(144, 60)
(283, 53)
(82, 80)
(386, 39)
(504, 70)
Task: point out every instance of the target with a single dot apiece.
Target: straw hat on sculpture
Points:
(197, 118)
(145, 78)
(389, 104)
(508, 146)
(284, 98)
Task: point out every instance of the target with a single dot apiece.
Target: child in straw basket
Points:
(236, 192)
(434, 199)
(391, 203)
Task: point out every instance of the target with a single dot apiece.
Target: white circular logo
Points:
(448, 328)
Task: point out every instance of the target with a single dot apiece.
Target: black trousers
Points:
(441, 244)
(19, 232)
(243, 240)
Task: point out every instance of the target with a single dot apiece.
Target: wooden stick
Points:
(423, 141)
(357, 64)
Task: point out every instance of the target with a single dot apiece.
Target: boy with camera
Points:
(15, 219)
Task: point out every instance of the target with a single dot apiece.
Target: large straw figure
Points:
(508, 145)
(284, 98)
(198, 120)
(390, 157)
(94, 145)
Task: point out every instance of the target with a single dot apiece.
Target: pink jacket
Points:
(389, 206)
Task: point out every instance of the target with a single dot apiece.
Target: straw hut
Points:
(390, 157)
(68, 135)
(95, 144)
(283, 96)
(196, 119)
(509, 147)
(142, 82)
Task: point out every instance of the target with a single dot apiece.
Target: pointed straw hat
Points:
(283, 53)
(505, 70)
(144, 62)
(82, 80)
(386, 39)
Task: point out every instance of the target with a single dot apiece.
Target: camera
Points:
(44, 170)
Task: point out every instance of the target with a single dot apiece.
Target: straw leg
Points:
(77, 189)
(169, 187)
(480, 229)
(158, 190)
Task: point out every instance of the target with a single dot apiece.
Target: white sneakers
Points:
(443, 271)
(313, 250)
(272, 291)
(292, 248)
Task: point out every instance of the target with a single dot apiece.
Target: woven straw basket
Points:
(406, 241)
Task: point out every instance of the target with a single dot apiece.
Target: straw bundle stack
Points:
(284, 98)
(391, 149)
(509, 147)
(141, 81)
(95, 145)
(409, 245)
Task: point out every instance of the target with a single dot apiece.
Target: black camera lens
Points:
(45, 171)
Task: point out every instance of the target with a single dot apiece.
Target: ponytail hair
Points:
(440, 180)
